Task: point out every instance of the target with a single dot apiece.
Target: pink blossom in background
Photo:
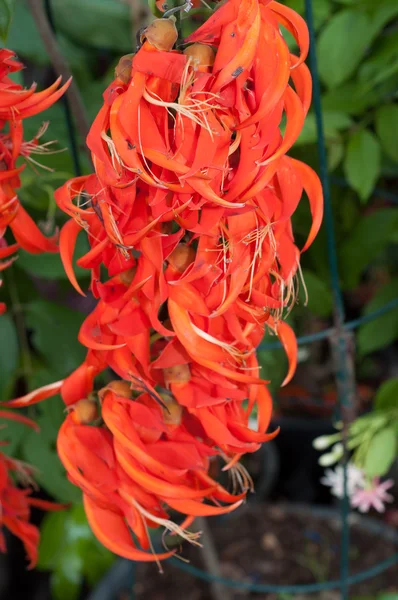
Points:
(374, 496)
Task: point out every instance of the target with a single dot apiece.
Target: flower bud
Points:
(181, 257)
(177, 374)
(118, 387)
(161, 33)
(84, 411)
(127, 276)
(172, 413)
(124, 67)
(202, 55)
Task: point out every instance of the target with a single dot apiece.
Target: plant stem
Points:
(60, 66)
(27, 367)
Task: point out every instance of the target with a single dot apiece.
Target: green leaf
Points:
(10, 353)
(387, 395)
(48, 265)
(95, 23)
(6, 13)
(273, 364)
(381, 453)
(342, 44)
(13, 433)
(387, 129)
(52, 539)
(319, 295)
(55, 330)
(69, 548)
(335, 149)
(352, 97)
(381, 13)
(363, 162)
(24, 38)
(368, 239)
(68, 577)
(380, 332)
(333, 122)
(96, 560)
(51, 475)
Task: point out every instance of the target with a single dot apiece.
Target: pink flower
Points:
(375, 496)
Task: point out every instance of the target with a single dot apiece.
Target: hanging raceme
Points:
(16, 104)
(188, 213)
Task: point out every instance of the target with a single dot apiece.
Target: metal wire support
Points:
(342, 344)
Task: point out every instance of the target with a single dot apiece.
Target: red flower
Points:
(192, 257)
(16, 502)
(16, 104)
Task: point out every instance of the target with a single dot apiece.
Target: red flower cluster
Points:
(15, 502)
(192, 256)
(16, 104)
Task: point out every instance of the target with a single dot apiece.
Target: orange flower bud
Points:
(202, 55)
(84, 412)
(181, 257)
(119, 387)
(161, 33)
(124, 67)
(127, 277)
(177, 374)
(172, 414)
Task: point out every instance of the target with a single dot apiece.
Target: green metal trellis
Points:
(340, 338)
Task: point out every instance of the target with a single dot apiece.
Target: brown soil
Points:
(265, 544)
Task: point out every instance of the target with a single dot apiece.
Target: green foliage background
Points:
(358, 64)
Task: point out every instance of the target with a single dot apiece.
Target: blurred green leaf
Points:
(10, 351)
(67, 545)
(38, 192)
(55, 330)
(387, 129)
(387, 395)
(381, 13)
(362, 162)
(370, 236)
(24, 38)
(333, 121)
(51, 475)
(379, 65)
(13, 434)
(49, 266)
(53, 533)
(336, 150)
(319, 295)
(97, 560)
(381, 331)
(352, 97)
(67, 579)
(381, 452)
(95, 23)
(321, 9)
(273, 364)
(6, 13)
(342, 44)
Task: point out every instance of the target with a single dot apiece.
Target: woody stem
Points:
(20, 324)
(211, 561)
(60, 66)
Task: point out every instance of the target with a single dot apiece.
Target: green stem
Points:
(17, 309)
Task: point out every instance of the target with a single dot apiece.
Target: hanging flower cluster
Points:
(16, 502)
(16, 104)
(192, 256)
